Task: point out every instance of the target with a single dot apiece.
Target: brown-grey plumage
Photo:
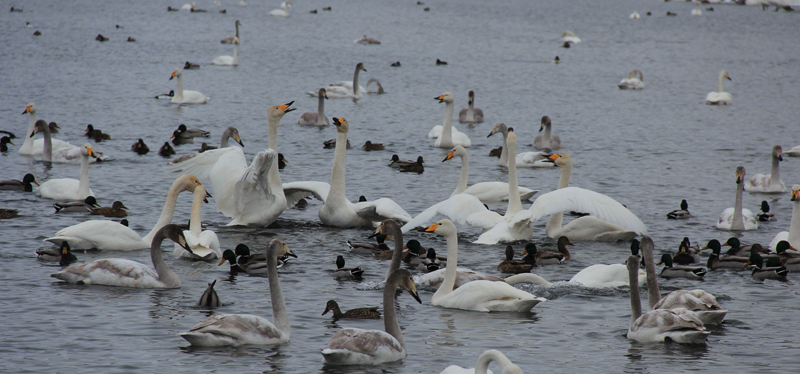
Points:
(209, 298)
(509, 265)
(317, 118)
(357, 313)
(470, 114)
(117, 209)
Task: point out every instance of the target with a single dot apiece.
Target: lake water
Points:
(647, 149)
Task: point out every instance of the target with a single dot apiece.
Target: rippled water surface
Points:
(647, 149)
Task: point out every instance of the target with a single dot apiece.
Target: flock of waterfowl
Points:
(254, 194)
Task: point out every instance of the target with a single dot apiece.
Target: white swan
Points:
(524, 159)
(446, 135)
(354, 346)
(239, 329)
(793, 235)
(635, 15)
(226, 60)
(126, 273)
(471, 114)
(605, 276)
(738, 218)
(186, 96)
(344, 89)
(702, 303)
(203, 244)
(34, 147)
(481, 367)
(247, 194)
(696, 11)
(769, 183)
(721, 97)
(230, 39)
(486, 192)
(283, 11)
(678, 325)
(794, 152)
(317, 118)
(569, 37)
(68, 188)
(337, 210)
(478, 295)
(546, 140)
(633, 82)
(110, 235)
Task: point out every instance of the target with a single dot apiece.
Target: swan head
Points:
(324, 93)
(40, 126)
(446, 97)
(545, 123)
(456, 151)
(560, 159)
(739, 174)
(442, 227)
(86, 150)
(500, 127)
(471, 96)
(724, 74)
(635, 245)
(238, 23)
(795, 192)
(387, 227)
(30, 108)
(233, 133)
(343, 126)
(277, 111)
(187, 182)
(175, 233)
(279, 248)
(511, 139)
(360, 66)
(177, 72)
(200, 190)
(777, 152)
(405, 281)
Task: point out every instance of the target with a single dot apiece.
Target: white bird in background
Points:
(185, 96)
(721, 97)
(738, 218)
(633, 82)
(283, 11)
(345, 89)
(446, 135)
(768, 183)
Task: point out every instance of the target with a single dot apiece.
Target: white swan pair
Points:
(720, 97)
(446, 135)
(345, 89)
(35, 147)
(186, 96)
(524, 159)
(738, 218)
(110, 235)
(68, 188)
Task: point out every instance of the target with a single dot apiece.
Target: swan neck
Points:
(653, 294)
(279, 314)
(197, 208)
(397, 256)
(463, 177)
(633, 278)
(83, 183)
(225, 136)
(556, 220)
(27, 146)
(451, 269)
(166, 212)
(47, 149)
(794, 226)
(447, 127)
(514, 203)
(337, 191)
(355, 81)
(546, 136)
(274, 171)
(237, 30)
(504, 152)
(487, 357)
(165, 274)
(775, 176)
(179, 90)
(390, 312)
(738, 220)
(321, 108)
(721, 78)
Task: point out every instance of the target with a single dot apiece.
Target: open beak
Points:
(285, 107)
(440, 98)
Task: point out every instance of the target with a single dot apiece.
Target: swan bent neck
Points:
(482, 366)
(168, 210)
(390, 324)
(27, 146)
(165, 275)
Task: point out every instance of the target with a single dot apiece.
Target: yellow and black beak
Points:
(182, 243)
(440, 98)
(432, 227)
(285, 107)
(795, 195)
(449, 156)
(27, 110)
(172, 76)
(337, 121)
(238, 140)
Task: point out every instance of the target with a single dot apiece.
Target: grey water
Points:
(647, 149)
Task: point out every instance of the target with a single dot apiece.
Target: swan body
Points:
(483, 363)
(317, 118)
(794, 152)
(229, 60)
(240, 329)
(546, 140)
(354, 346)
(446, 135)
(633, 82)
(569, 37)
(738, 218)
(479, 295)
(203, 244)
(603, 276)
(793, 235)
(126, 273)
(247, 194)
(109, 235)
(635, 15)
(721, 97)
(471, 114)
(186, 96)
(768, 183)
(486, 192)
(35, 147)
(283, 11)
(345, 89)
(67, 188)
(525, 159)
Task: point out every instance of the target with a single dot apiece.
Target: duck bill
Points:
(222, 261)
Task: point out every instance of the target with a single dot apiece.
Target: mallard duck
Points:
(396, 162)
(166, 150)
(343, 272)
(509, 265)
(716, 260)
(431, 262)
(63, 254)
(282, 161)
(789, 261)
(773, 270)
(140, 148)
(496, 152)
(17, 185)
(764, 215)
(209, 299)
(8, 213)
(81, 206)
(96, 134)
(230, 256)
(681, 213)
(684, 256)
(331, 143)
(415, 254)
(370, 146)
(670, 271)
(365, 248)
(358, 313)
(415, 167)
(549, 257)
(737, 249)
(190, 65)
(117, 210)
(4, 141)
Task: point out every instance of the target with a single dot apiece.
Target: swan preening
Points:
(126, 273)
(345, 89)
(247, 194)
(379, 91)
(185, 96)
(109, 235)
(337, 210)
(229, 60)
(482, 365)
(546, 140)
(768, 183)
(738, 218)
(203, 244)
(478, 295)
(486, 192)
(231, 39)
(317, 118)
(524, 159)
(471, 114)
(68, 188)
(721, 97)
(633, 82)
(354, 346)
(239, 329)
(446, 135)
(793, 235)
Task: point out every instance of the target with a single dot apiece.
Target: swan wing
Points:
(359, 346)
(99, 234)
(251, 199)
(601, 276)
(381, 209)
(295, 191)
(111, 272)
(434, 279)
(56, 144)
(534, 159)
(235, 330)
(495, 192)
(583, 200)
(462, 209)
(201, 163)
(435, 132)
(488, 296)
